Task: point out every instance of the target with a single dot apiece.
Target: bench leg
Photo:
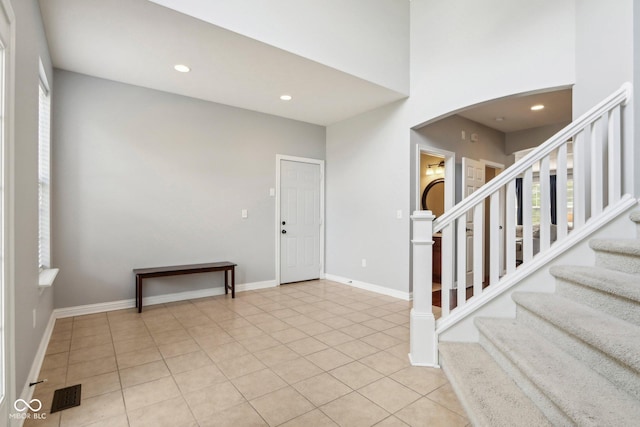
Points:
(226, 282)
(233, 282)
(139, 293)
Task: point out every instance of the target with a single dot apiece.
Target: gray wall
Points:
(365, 189)
(145, 178)
(30, 45)
(529, 138)
(446, 134)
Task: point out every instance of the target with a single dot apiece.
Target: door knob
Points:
(284, 222)
(284, 231)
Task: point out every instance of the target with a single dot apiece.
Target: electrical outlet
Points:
(364, 262)
(272, 192)
(244, 213)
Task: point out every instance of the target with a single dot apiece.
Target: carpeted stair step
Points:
(605, 343)
(613, 292)
(490, 398)
(567, 391)
(617, 254)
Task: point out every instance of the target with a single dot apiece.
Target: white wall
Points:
(462, 53)
(466, 52)
(145, 178)
(604, 50)
(30, 46)
(635, 115)
(604, 61)
(369, 39)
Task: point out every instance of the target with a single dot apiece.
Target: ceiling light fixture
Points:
(537, 107)
(182, 68)
(499, 119)
(286, 97)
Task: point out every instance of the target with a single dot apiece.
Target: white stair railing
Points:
(586, 159)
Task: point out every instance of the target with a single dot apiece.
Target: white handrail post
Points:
(423, 342)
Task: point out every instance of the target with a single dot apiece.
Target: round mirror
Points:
(433, 197)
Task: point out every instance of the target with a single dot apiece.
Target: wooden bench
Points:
(145, 273)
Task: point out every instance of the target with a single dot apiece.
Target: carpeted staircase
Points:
(568, 358)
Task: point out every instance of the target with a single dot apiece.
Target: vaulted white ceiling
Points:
(138, 42)
(516, 114)
(339, 76)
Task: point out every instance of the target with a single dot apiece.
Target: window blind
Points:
(44, 177)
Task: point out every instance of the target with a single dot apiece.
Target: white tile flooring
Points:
(316, 353)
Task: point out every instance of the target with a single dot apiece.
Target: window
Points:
(535, 203)
(44, 175)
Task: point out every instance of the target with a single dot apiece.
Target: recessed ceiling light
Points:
(182, 68)
(286, 97)
(537, 107)
(499, 119)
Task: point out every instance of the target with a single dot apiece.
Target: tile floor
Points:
(316, 353)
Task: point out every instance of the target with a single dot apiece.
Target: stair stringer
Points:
(496, 300)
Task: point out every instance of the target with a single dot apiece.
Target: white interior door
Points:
(472, 179)
(299, 221)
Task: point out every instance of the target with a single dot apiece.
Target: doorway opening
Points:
(435, 192)
(492, 170)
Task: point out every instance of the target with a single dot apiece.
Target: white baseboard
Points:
(158, 299)
(256, 285)
(27, 391)
(370, 287)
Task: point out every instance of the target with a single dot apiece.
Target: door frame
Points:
(449, 174)
(494, 165)
(7, 169)
(279, 158)
(502, 220)
(472, 262)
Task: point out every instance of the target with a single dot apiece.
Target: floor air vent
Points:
(66, 398)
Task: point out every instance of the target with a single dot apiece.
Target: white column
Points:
(423, 342)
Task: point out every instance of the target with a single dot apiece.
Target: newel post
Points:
(423, 342)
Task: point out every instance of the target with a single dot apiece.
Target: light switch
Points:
(244, 213)
(272, 192)
(399, 214)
